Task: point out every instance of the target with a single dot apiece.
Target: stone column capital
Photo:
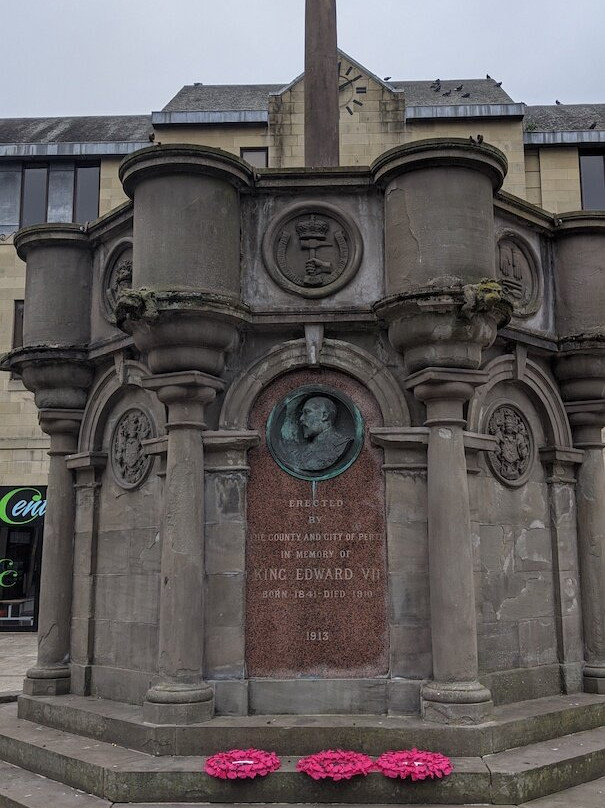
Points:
(587, 420)
(183, 384)
(445, 391)
(434, 377)
(561, 462)
(88, 466)
(186, 393)
(63, 426)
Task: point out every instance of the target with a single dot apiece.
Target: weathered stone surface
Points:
(411, 650)
(546, 767)
(537, 642)
(498, 646)
(521, 684)
(20, 788)
(317, 696)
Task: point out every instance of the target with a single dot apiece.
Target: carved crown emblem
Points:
(313, 227)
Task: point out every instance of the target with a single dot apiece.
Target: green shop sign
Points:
(21, 506)
(8, 577)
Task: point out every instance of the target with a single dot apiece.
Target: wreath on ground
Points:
(336, 764)
(332, 764)
(415, 764)
(239, 764)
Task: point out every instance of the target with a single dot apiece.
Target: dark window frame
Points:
(48, 165)
(258, 149)
(595, 152)
(18, 310)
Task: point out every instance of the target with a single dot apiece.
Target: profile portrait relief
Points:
(315, 433)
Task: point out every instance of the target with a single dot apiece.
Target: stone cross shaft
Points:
(321, 84)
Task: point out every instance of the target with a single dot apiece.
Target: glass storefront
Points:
(21, 524)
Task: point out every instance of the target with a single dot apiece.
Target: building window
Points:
(18, 324)
(17, 330)
(256, 156)
(10, 198)
(47, 192)
(592, 174)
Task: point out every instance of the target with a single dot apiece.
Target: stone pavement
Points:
(18, 651)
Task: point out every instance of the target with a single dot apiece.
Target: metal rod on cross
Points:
(321, 84)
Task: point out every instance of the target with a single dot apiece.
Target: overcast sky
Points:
(98, 57)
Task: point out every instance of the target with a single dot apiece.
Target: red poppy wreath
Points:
(239, 764)
(415, 764)
(336, 764)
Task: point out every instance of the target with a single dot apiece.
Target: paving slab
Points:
(22, 789)
(528, 772)
(588, 795)
(18, 652)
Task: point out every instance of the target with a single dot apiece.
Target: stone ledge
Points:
(122, 775)
(122, 724)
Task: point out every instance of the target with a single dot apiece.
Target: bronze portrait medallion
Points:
(315, 433)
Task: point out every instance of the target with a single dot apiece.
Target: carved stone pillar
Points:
(88, 468)
(181, 695)
(587, 419)
(560, 463)
(455, 694)
(51, 674)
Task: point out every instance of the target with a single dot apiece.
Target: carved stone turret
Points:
(53, 364)
(580, 368)
(183, 313)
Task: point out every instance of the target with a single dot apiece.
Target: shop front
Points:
(21, 526)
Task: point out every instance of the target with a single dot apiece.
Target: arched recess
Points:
(336, 355)
(107, 391)
(543, 390)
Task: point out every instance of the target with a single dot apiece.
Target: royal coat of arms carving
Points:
(129, 462)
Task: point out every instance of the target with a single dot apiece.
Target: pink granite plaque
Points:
(316, 554)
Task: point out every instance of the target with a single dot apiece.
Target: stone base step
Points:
(120, 775)
(22, 789)
(513, 725)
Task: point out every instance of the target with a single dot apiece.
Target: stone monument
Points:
(321, 442)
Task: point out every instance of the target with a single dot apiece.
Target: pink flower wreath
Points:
(415, 764)
(337, 764)
(238, 764)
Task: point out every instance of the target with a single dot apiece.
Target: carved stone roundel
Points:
(312, 249)
(129, 463)
(518, 274)
(117, 276)
(511, 461)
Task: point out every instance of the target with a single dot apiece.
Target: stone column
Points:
(51, 674)
(321, 84)
(560, 465)
(587, 419)
(88, 467)
(455, 694)
(181, 696)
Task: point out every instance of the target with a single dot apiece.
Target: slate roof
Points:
(221, 97)
(564, 118)
(97, 129)
(423, 93)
